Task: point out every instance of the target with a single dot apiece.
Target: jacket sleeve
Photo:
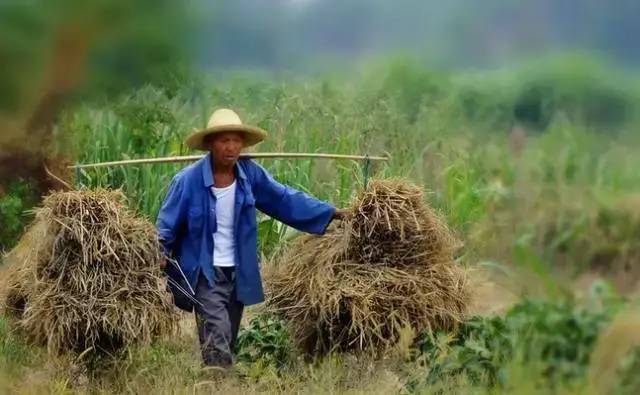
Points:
(172, 215)
(290, 206)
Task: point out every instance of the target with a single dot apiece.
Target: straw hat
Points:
(225, 120)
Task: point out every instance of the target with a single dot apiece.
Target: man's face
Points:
(226, 147)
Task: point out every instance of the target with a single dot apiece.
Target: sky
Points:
(306, 34)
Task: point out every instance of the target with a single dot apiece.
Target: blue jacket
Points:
(187, 220)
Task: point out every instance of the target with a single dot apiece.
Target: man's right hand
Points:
(341, 214)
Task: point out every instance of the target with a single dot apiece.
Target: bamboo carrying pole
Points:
(255, 155)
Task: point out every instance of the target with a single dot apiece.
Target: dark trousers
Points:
(219, 318)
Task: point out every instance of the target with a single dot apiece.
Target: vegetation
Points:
(534, 169)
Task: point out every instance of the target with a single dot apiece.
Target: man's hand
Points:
(341, 214)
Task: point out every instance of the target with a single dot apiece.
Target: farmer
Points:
(208, 224)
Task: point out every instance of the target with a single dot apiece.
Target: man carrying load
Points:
(208, 224)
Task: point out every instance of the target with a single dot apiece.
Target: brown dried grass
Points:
(86, 275)
(388, 268)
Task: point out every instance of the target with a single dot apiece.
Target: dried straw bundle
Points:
(388, 268)
(86, 275)
(394, 227)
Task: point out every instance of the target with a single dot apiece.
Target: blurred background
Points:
(519, 117)
(308, 35)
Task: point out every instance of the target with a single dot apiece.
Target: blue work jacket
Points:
(187, 220)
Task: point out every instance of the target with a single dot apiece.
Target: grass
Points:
(467, 164)
(544, 213)
(537, 347)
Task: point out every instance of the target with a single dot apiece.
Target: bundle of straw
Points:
(388, 268)
(86, 275)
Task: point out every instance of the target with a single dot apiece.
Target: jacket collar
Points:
(207, 171)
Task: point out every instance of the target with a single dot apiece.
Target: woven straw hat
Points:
(225, 120)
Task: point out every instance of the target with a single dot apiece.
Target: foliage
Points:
(564, 201)
(17, 199)
(578, 86)
(127, 44)
(448, 134)
(147, 120)
(560, 335)
(628, 380)
(537, 341)
(266, 341)
(413, 86)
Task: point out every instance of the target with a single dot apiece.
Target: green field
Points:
(536, 170)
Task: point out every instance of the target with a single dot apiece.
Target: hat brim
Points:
(252, 135)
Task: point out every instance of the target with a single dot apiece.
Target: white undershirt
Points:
(224, 240)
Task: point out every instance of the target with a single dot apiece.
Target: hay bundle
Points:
(86, 275)
(388, 268)
(394, 227)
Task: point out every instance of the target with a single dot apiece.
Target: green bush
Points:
(19, 198)
(582, 88)
(146, 120)
(412, 86)
(558, 334)
(487, 103)
(265, 340)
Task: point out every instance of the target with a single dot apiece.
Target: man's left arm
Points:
(291, 206)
